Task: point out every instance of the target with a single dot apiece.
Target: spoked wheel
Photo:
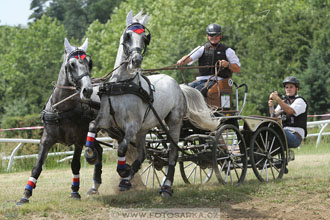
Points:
(154, 169)
(267, 154)
(195, 166)
(151, 176)
(229, 155)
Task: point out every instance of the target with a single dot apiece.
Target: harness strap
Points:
(126, 87)
(77, 79)
(112, 112)
(165, 128)
(49, 117)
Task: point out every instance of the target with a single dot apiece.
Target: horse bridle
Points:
(80, 55)
(147, 38)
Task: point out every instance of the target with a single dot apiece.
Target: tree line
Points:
(272, 38)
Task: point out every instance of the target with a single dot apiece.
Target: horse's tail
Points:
(198, 113)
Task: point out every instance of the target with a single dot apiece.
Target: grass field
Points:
(303, 193)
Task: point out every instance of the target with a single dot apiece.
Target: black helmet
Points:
(213, 29)
(291, 79)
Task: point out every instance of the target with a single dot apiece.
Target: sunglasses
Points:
(213, 35)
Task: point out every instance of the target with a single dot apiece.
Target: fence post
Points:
(320, 134)
(11, 159)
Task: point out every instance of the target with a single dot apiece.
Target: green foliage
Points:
(75, 15)
(273, 39)
(30, 62)
(22, 121)
(316, 78)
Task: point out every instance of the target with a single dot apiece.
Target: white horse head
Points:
(133, 44)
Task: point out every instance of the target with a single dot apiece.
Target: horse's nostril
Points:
(137, 60)
(87, 92)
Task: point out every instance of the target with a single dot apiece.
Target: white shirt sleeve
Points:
(299, 106)
(196, 53)
(232, 57)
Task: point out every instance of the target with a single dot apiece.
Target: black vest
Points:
(299, 121)
(210, 56)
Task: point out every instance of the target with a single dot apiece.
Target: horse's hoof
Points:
(91, 155)
(166, 191)
(123, 173)
(22, 201)
(75, 195)
(125, 185)
(92, 192)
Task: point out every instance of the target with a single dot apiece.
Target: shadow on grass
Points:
(191, 196)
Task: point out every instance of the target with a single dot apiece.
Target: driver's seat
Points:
(220, 95)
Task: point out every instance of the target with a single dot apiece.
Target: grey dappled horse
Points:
(130, 114)
(67, 123)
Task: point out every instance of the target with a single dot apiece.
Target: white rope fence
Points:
(12, 156)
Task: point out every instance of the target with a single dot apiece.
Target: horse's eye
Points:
(127, 36)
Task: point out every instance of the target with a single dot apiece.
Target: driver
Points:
(294, 111)
(208, 55)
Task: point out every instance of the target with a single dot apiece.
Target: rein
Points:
(66, 87)
(63, 100)
(108, 74)
(176, 67)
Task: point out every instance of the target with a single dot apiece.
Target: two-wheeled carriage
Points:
(259, 143)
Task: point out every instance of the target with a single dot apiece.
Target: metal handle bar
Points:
(244, 99)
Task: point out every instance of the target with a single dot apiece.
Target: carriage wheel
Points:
(195, 170)
(267, 154)
(154, 168)
(229, 155)
(151, 176)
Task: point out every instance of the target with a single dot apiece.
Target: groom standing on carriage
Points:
(211, 54)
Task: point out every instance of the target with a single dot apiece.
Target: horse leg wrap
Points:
(75, 183)
(75, 187)
(91, 154)
(123, 169)
(31, 184)
(90, 139)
